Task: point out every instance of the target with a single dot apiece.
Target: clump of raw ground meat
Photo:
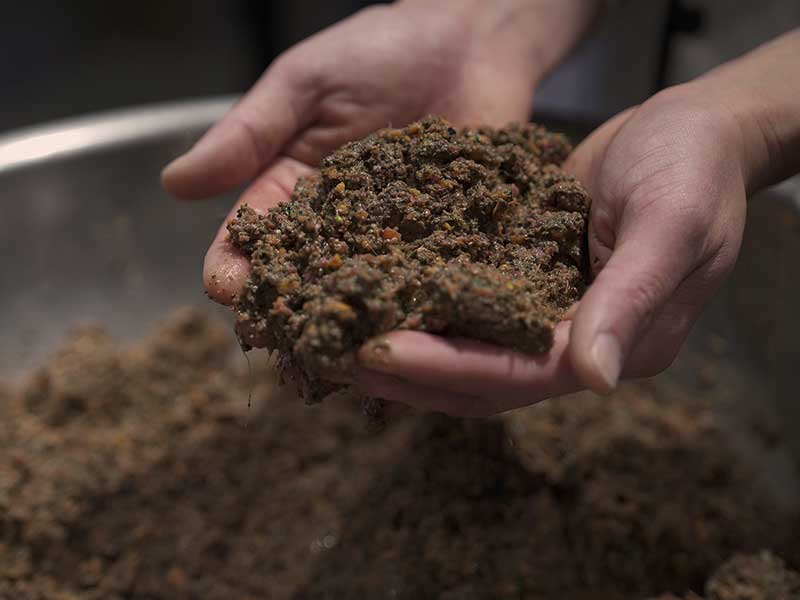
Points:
(470, 232)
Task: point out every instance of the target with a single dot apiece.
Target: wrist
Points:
(533, 36)
(760, 92)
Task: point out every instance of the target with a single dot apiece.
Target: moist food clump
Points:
(470, 232)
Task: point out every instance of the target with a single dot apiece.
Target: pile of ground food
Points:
(755, 577)
(143, 473)
(473, 232)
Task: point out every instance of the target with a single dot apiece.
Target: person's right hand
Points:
(668, 181)
(668, 207)
(473, 62)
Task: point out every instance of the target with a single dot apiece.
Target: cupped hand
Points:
(385, 65)
(669, 197)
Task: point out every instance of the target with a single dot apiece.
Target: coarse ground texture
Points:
(472, 232)
(755, 577)
(141, 473)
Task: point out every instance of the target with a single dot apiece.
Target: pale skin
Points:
(669, 181)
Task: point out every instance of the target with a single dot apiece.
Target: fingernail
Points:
(607, 357)
(376, 354)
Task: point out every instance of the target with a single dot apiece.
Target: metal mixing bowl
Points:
(87, 233)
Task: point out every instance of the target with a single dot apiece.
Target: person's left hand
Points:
(668, 191)
(470, 62)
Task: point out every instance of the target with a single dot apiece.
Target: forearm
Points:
(762, 91)
(539, 33)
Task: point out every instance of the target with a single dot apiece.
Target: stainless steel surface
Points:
(72, 138)
(87, 234)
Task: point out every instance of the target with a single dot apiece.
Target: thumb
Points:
(245, 141)
(654, 252)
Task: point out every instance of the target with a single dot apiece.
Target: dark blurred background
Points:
(61, 59)
(66, 58)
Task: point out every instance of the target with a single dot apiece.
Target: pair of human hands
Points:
(665, 178)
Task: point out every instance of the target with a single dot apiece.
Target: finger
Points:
(660, 344)
(225, 272)
(246, 140)
(456, 404)
(226, 269)
(395, 390)
(472, 369)
(654, 253)
(662, 341)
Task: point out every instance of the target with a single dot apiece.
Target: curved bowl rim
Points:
(67, 138)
